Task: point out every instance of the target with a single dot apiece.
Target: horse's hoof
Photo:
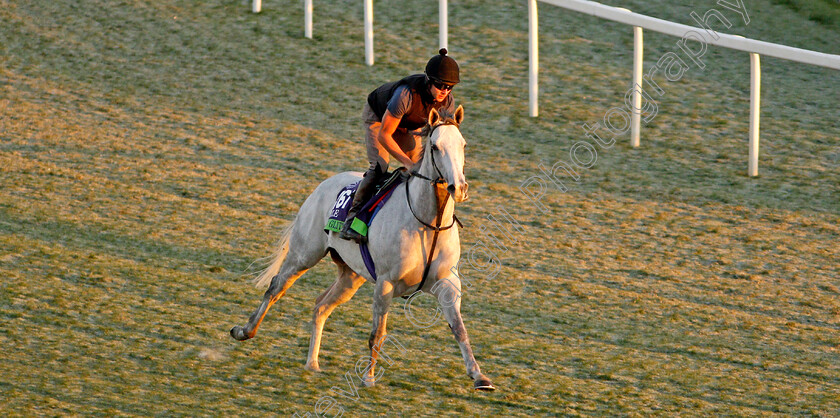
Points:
(313, 368)
(238, 333)
(369, 382)
(483, 383)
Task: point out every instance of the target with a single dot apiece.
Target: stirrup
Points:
(349, 233)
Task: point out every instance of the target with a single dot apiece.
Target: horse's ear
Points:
(434, 117)
(459, 114)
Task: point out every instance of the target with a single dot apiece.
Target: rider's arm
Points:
(386, 139)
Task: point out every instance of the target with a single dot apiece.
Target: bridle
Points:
(440, 208)
(433, 182)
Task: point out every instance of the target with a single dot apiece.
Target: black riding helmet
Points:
(443, 68)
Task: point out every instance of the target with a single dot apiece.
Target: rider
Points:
(393, 115)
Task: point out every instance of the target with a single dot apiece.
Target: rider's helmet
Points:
(442, 68)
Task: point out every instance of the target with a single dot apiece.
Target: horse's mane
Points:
(445, 119)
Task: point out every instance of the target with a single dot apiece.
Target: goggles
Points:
(440, 85)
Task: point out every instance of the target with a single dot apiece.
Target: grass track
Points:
(150, 152)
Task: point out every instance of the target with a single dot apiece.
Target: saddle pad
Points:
(338, 213)
(364, 218)
(344, 201)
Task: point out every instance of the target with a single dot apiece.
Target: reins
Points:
(440, 208)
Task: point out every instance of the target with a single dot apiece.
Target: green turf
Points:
(150, 152)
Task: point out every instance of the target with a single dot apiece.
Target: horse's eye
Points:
(434, 147)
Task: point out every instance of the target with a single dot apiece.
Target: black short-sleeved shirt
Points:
(408, 100)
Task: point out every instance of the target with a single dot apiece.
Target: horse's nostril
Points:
(451, 188)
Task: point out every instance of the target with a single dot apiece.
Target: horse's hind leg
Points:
(344, 287)
(306, 246)
(281, 282)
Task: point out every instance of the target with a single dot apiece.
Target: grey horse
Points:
(399, 241)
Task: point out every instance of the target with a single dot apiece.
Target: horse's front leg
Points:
(448, 292)
(382, 295)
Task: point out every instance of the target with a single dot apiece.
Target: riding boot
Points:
(366, 188)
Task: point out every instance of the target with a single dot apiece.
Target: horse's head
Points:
(445, 151)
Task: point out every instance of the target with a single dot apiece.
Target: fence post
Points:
(638, 60)
(369, 32)
(443, 24)
(256, 6)
(755, 108)
(307, 18)
(533, 58)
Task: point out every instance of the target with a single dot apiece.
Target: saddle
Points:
(364, 218)
(344, 200)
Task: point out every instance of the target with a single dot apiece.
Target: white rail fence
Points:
(639, 22)
(687, 33)
(443, 23)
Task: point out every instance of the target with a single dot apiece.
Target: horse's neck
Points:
(424, 200)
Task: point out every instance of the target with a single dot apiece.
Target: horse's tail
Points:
(280, 254)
